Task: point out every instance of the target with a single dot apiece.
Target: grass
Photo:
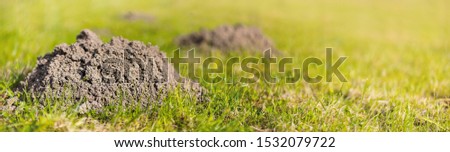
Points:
(397, 66)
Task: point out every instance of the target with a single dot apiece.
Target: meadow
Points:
(397, 67)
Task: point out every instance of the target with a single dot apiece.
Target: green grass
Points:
(397, 68)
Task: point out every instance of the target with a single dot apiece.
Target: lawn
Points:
(397, 67)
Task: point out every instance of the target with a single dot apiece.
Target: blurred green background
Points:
(398, 52)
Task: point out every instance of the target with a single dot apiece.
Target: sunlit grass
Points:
(397, 67)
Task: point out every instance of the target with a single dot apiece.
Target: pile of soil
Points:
(137, 16)
(101, 73)
(227, 38)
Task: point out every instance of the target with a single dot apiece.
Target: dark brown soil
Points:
(227, 38)
(101, 73)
